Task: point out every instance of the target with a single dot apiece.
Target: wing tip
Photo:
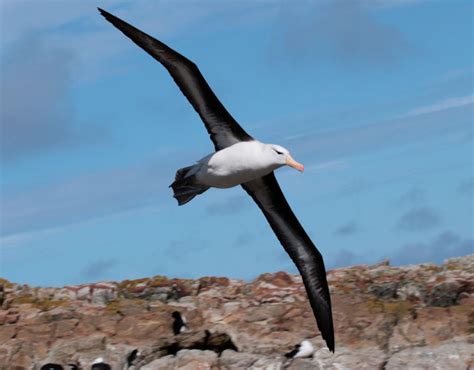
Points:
(325, 324)
(330, 342)
(327, 332)
(106, 14)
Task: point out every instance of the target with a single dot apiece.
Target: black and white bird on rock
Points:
(180, 324)
(239, 159)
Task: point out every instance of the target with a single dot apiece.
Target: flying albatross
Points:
(239, 159)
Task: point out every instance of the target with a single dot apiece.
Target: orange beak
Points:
(292, 163)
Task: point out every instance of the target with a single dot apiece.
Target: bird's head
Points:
(281, 156)
(176, 314)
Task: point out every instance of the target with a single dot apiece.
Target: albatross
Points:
(239, 159)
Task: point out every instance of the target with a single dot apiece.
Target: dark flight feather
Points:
(267, 194)
(220, 125)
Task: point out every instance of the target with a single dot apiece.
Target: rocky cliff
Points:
(411, 317)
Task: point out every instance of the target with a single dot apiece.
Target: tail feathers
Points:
(182, 172)
(185, 187)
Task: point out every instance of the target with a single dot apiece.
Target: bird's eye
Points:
(277, 152)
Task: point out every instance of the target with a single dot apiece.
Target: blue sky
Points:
(374, 97)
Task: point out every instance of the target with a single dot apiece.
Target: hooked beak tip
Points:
(292, 163)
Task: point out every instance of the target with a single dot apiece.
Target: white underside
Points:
(305, 350)
(185, 324)
(237, 164)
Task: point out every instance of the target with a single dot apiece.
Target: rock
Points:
(384, 291)
(231, 360)
(265, 363)
(411, 291)
(407, 333)
(444, 294)
(449, 356)
(85, 348)
(7, 332)
(65, 328)
(163, 363)
(66, 293)
(195, 360)
(417, 316)
(83, 293)
(347, 358)
(3, 317)
(103, 293)
(59, 313)
(11, 317)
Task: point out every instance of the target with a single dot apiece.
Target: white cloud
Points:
(84, 197)
(390, 3)
(442, 105)
(30, 237)
(329, 165)
(19, 239)
(454, 118)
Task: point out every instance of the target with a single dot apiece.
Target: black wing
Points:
(267, 194)
(220, 125)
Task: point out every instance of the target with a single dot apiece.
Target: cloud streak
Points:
(349, 141)
(442, 105)
(84, 197)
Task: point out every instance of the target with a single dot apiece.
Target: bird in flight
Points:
(239, 159)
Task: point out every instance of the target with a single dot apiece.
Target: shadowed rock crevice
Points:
(216, 342)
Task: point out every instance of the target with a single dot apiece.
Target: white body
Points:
(185, 325)
(234, 165)
(306, 349)
(98, 360)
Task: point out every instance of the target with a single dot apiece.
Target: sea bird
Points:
(303, 349)
(239, 159)
(99, 364)
(179, 324)
(132, 356)
(51, 366)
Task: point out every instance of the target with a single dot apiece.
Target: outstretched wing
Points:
(267, 194)
(220, 125)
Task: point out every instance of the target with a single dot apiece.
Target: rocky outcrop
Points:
(417, 317)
